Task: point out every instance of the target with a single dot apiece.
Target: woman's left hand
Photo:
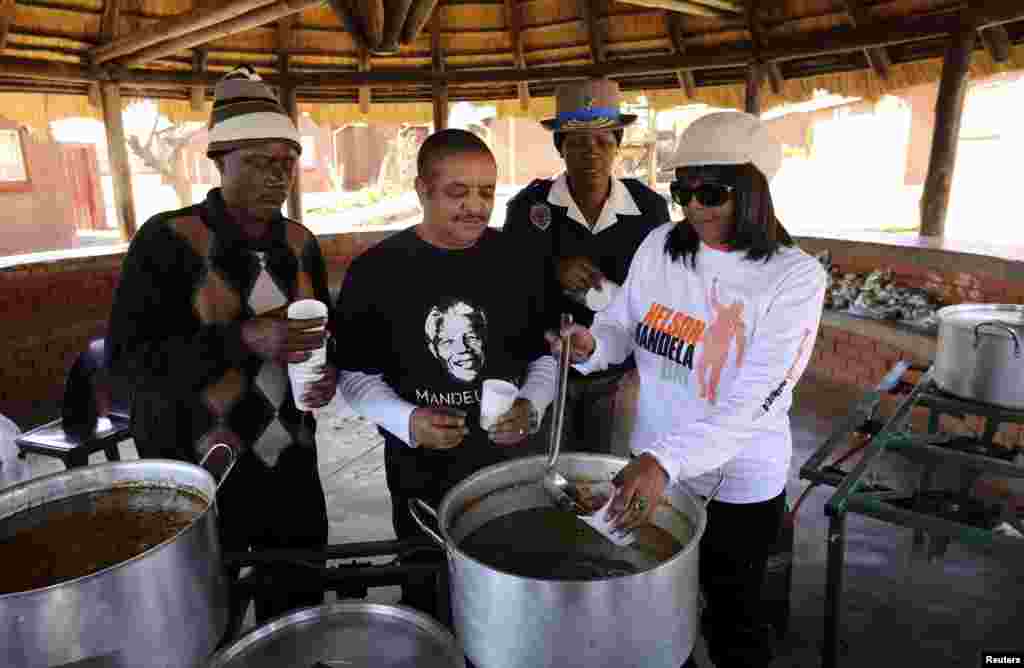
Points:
(640, 487)
(513, 426)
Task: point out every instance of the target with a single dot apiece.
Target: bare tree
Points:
(164, 152)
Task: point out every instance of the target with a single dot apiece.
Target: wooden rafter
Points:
(440, 88)
(419, 15)
(674, 26)
(263, 16)
(877, 57)
(515, 27)
(372, 14)
(394, 21)
(769, 70)
(110, 23)
(590, 14)
(997, 43)
(691, 8)
(174, 27)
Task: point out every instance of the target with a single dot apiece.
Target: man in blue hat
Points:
(586, 225)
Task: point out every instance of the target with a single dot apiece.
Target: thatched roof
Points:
(396, 53)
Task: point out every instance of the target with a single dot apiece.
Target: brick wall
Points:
(51, 310)
(859, 353)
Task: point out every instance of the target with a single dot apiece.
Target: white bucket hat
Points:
(729, 138)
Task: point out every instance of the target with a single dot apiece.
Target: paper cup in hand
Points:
(599, 300)
(497, 399)
(303, 374)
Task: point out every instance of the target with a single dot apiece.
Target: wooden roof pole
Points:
(515, 26)
(260, 17)
(365, 92)
(440, 88)
(590, 14)
(718, 11)
(997, 42)
(372, 13)
(771, 70)
(877, 57)
(197, 94)
(174, 27)
(120, 167)
(948, 112)
(346, 16)
(289, 100)
(674, 26)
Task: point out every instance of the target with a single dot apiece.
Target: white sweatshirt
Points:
(719, 349)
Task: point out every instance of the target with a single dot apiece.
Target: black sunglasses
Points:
(708, 194)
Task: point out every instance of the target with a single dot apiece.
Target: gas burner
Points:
(951, 505)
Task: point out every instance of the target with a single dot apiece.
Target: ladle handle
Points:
(558, 419)
(231, 464)
(413, 503)
(714, 490)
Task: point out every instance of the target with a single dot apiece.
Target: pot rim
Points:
(948, 315)
(43, 481)
(293, 618)
(443, 511)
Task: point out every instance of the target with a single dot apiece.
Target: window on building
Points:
(13, 171)
(308, 159)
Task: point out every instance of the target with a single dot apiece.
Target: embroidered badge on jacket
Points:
(540, 216)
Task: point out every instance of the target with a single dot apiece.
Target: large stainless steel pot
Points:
(508, 621)
(345, 634)
(164, 608)
(979, 354)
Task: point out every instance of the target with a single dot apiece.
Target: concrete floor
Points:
(899, 609)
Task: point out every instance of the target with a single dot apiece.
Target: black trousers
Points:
(281, 507)
(733, 555)
(590, 412)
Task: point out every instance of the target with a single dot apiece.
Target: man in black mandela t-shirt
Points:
(429, 314)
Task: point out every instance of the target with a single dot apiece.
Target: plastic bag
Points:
(12, 469)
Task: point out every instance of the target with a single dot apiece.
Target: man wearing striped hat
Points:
(198, 330)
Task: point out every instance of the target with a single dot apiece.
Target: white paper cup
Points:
(599, 300)
(303, 374)
(498, 397)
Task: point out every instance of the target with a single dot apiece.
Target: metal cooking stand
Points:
(854, 494)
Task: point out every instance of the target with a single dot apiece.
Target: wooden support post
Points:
(652, 157)
(95, 100)
(590, 14)
(120, 168)
(197, 94)
(752, 103)
(514, 21)
(948, 111)
(365, 93)
(674, 26)
(291, 105)
(440, 88)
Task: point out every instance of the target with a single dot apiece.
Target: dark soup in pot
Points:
(82, 534)
(549, 544)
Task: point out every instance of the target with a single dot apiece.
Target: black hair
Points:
(755, 229)
(559, 137)
(79, 411)
(444, 144)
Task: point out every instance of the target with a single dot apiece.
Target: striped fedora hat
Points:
(245, 110)
(586, 106)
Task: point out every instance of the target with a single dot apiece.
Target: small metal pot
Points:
(345, 634)
(164, 608)
(505, 620)
(979, 355)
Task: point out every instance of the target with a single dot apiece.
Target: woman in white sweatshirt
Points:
(721, 311)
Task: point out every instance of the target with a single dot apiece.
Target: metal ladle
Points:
(561, 491)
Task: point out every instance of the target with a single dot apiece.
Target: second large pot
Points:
(979, 354)
(508, 621)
